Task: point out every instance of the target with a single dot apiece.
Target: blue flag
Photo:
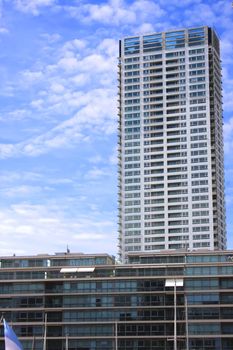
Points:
(11, 340)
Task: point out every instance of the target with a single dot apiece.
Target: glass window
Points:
(131, 46)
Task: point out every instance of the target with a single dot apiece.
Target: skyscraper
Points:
(171, 162)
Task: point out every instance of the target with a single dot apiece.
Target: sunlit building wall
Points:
(171, 162)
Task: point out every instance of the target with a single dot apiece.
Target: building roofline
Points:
(165, 31)
(181, 252)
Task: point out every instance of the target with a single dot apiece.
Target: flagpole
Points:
(67, 341)
(33, 343)
(186, 322)
(175, 317)
(116, 337)
(45, 331)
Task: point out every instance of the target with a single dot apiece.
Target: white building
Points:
(171, 162)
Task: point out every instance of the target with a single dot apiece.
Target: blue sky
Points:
(58, 115)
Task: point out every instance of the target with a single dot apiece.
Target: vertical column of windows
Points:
(132, 127)
(199, 147)
(153, 149)
(217, 146)
(176, 149)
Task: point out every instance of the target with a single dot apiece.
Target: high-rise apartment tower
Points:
(171, 162)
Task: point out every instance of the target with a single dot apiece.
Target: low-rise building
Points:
(171, 300)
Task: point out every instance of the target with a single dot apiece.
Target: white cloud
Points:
(90, 109)
(74, 45)
(147, 8)
(17, 114)
(179, 3)
(89, 236)
(226, 49)
(97, 114)
(37, 104)
(228, 136)
(32, 6)
(108, 47)
(96, 173)
(51, 38)
(110, 12)
(114, 157)
(80, 79)
(57, 88)
(67, 98)
(28, 184)
(20, 191)
(201, 13)
(228, 100)
(4, 30)
(7, 150)
(145, 28)
(116, 12)
(31, 76)
(37, 224)
(95, 159)
(69, 64)
(97, 60)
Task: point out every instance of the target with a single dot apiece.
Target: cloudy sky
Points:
(58, 120)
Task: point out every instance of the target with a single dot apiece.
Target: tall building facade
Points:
(171, 162)
(167, 301)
